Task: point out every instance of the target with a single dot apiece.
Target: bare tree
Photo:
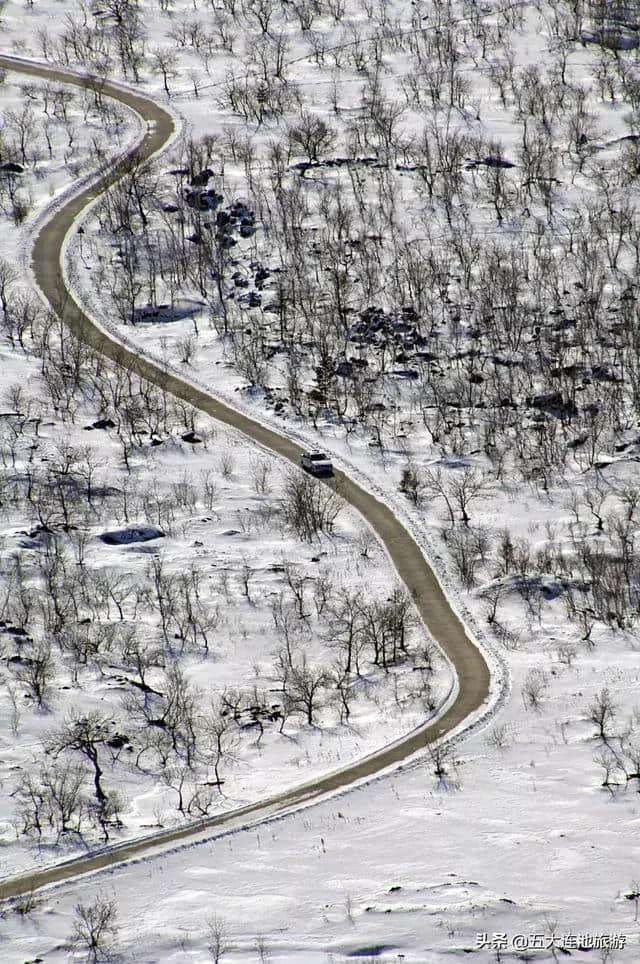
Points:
(217, 938)
(309, 506)
(533, 688)
(218, 742)
(39, 671)
(313, 135)
(610, 766)
(441, 757)
(51, 797)
(163, 62)
(602, 712)
(346, 628)
(84, 733)
(8, 277)
(260, 472)
(304, 686)
(411, 483)
(95, 928)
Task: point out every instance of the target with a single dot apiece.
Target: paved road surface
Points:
(434, 609)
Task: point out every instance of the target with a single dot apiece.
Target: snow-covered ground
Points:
(208, 513)
(520, 836)
(520, 840)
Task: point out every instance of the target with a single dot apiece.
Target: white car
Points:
(316, 463)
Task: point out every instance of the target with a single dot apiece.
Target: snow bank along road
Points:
(434, 609)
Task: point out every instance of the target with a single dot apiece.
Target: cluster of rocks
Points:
(471, 164)
(236, 218)
(490, 161)
(348, 367)
(336, 162)
(398, 329)
(193, 193)
(554, 403)
(201, 200)
(273, 398)
(261, 275)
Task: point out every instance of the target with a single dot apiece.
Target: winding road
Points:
(412, 568)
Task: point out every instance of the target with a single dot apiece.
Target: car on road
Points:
(317, 463)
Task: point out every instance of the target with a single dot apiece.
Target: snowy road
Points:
(420, 580)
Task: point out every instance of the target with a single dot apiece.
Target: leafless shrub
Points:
(260, 472)
(510, 638)
(310, 507)
(493, 596)
(312, 135)
(442, 759)
(610, 766)
(95, 928)
(218, 943)
(410, 483)
(534, 688)
(602, 712)
(26, 903)
(567, 652)
(187, 346)
(227, 464)
(499, 736)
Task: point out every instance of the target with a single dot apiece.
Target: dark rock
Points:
(202, 178)
(613, 38)
(603, 373)
(16, 631)
(102, 423)
(495, 161)
(546, 401)
(201, 200)
(132, 534)
(491, 160)
(10, 167)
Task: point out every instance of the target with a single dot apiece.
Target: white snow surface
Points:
(519, 838)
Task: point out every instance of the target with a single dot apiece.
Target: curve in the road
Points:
(411, 566)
